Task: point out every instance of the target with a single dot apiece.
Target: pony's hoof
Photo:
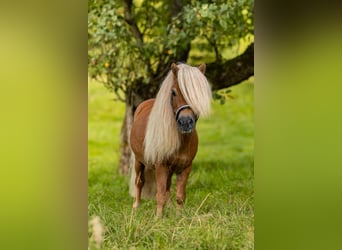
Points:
(135, 205)
(158, 216)
(159, 213)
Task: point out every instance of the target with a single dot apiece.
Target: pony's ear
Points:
(174, 68)
(202, 67)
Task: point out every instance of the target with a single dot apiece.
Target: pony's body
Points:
(178, 160)
(164, 138)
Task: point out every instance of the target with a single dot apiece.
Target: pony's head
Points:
(185, 116)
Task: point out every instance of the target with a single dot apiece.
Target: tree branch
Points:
(214, 45)
(131, 22)
(136, 32)
(231, 72)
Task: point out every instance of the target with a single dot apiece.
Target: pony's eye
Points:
(174, 93)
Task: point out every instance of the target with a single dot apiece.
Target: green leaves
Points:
(119, 58)
(222, 95)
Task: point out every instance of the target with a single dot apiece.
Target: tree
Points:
(131, 45)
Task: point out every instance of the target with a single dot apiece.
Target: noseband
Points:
(182, 108)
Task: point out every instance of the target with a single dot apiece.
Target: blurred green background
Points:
(297, 125)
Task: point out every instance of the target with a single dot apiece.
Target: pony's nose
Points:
(186, 124)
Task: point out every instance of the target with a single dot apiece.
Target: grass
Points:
(218, 212)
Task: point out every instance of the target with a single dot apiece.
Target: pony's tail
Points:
(133, 175)
(149, 189)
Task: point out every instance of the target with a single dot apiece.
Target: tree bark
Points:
(125, 151)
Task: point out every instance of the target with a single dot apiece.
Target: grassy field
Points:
(219, 210)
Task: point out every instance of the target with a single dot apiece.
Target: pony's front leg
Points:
(162, 173)
(181, 180)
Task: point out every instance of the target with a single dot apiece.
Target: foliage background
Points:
(133, 42)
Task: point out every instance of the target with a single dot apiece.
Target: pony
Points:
(163, 136)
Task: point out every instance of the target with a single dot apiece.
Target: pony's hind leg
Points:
(168, 188)
(181, 180)
(139, 182)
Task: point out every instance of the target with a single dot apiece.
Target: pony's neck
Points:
(186, 138)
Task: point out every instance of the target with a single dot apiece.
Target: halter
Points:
(182, 108)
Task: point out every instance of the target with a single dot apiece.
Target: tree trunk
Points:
(125, 150)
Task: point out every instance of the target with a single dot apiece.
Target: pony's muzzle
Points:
(186, 124)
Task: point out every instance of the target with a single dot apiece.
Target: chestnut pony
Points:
(163, 136)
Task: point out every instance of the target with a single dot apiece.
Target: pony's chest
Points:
(180, 162)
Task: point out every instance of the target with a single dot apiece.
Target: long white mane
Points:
(162, 138)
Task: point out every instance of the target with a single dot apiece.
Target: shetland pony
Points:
(163, 137)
